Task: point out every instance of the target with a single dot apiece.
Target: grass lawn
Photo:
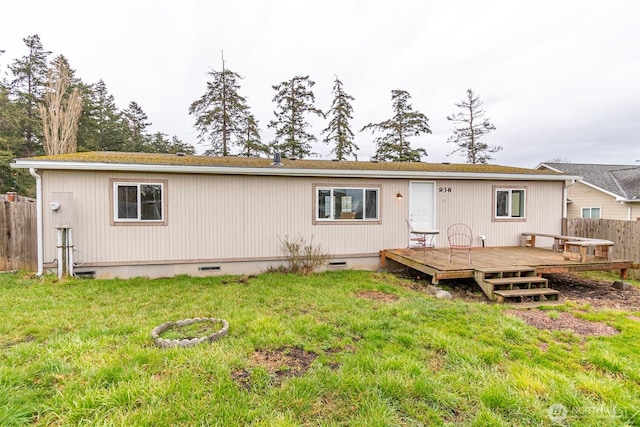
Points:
(345, 348)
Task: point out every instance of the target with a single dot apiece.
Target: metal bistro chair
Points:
(421, 239)
(460, 238)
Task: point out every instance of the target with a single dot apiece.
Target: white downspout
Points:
(565, 196)
(60, 251)
(70, 252)
(39, 237)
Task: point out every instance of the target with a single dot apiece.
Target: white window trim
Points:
(331, 219)
(509, 217)
(591, 208)
(115, 183)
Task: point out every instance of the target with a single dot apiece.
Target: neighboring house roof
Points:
(172, 163)
(621, 181)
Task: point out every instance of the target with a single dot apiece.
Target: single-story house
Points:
(135, 214)
(605, 191)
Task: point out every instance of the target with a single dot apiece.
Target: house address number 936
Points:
(444, 190)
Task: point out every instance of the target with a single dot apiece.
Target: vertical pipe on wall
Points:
(565, 197)
(60, 251)
(69, 252)
(39, 237)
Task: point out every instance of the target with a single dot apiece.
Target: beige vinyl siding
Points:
(215, 217)
(583, 196)
(472, 203)
(211, 218)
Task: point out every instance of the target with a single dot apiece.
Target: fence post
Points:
(624, 234)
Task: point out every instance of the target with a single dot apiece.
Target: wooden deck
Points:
(435, 261)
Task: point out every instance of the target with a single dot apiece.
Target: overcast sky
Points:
(559, 79)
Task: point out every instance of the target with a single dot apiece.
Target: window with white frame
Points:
(136, 202)
(347, 203)
(509, 203)
(591, 213)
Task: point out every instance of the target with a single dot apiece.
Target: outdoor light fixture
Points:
(399, 196)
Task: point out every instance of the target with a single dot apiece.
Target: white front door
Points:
(422, 207)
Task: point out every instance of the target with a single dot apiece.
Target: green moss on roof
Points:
(245, 162)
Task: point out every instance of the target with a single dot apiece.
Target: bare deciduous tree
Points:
(60, 110)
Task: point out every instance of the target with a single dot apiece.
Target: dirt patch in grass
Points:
(281, 363)
(563, 321)
(242, 280)
(597, 293)
(377, 296)
(18, 341)
(572, 287)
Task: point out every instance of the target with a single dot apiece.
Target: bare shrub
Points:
(303, 257)
(60, 111)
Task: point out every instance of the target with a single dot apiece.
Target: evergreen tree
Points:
(471, 127)
(394, 145)
(11, 138)
(160, 144)
(18, 180)
(177, 146)
(339, 131)
(106, 124)
(87, 127)
(294, 99)
(250, 142)
(10, 119)
(11, 142)
(220, 113)
(28, 88)
(136, 123)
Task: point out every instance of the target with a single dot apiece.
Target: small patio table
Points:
(426, 239)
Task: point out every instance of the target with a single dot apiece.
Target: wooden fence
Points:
(624, 234)
(18, 233)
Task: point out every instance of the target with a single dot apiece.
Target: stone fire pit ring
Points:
(188, 342)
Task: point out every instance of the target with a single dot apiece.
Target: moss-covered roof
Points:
(245, 162)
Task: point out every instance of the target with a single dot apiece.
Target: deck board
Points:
(435, 261)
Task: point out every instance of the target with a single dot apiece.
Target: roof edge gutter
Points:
(623, 200)
(281, 171)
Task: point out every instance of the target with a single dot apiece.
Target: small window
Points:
(138, 202)
(510, 203)
(591, 213)
(340, 203)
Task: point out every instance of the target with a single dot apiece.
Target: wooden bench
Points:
(529, 239)
(572, 247)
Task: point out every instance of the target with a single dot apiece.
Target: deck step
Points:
(516, 280)
(505, 283)
(485, 274)
(538, 295)
(526, 292)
